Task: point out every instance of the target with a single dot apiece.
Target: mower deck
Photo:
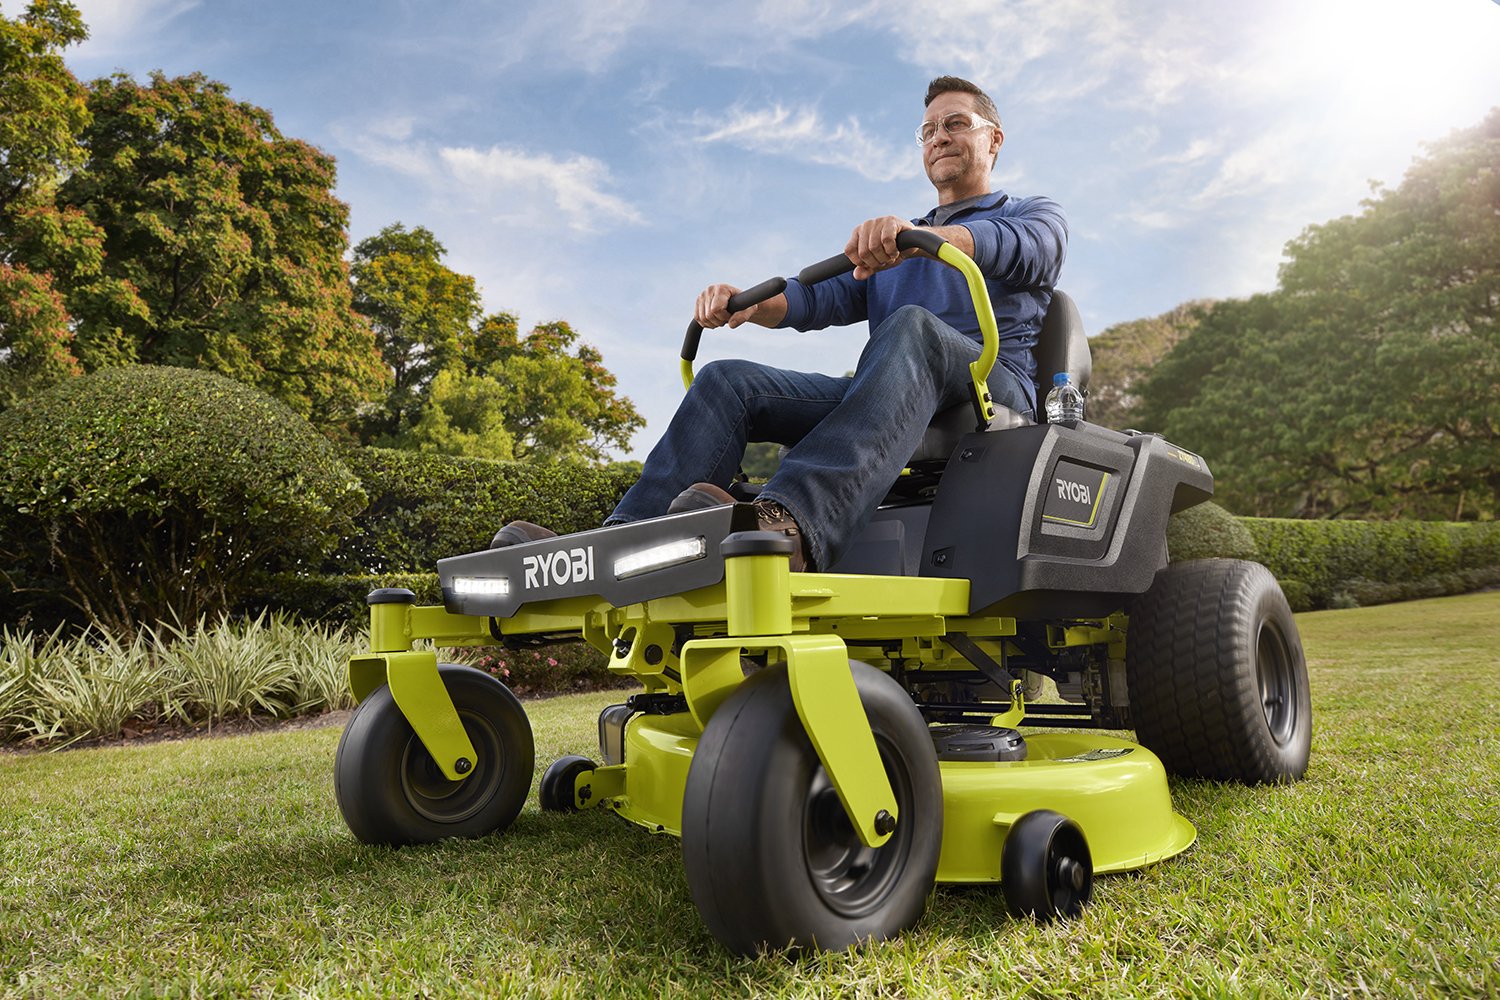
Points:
(1115, 790)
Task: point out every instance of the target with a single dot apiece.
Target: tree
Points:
(34, 335)
(1126, 353)
(422, 314)
(42, 109)
(466, 384)
(1365, 385)
(464, 415)
(42, 106)
(561, 405)
(192, 233)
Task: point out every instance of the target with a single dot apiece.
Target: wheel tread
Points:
(1193, 700)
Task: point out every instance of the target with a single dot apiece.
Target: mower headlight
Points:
(660, 557)
(497, 585)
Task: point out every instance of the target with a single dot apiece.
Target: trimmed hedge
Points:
(1208, 531)
(143, 493)
(336, 598)
(424, 507)
(1323, 564)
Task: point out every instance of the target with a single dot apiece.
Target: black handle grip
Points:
(768, 289)
(690, 340)
(922, 239)
(825, 269)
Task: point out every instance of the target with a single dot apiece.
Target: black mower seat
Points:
(1062, 346)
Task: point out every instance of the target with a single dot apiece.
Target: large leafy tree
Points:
(231, 235)
(561, 402)
(541, 396)
(186, 230)
(42, 106)
(1125, 353)
(42, 110)
(464, 383)
(422, 313)
(1365, 385)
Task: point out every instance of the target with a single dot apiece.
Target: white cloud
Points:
(1195, 152)
(1252, 169)
(586, 35)
(802, 134)
(1050, 53)
(120, 26)
(532, 189)
(1152, 218)
(575, 185)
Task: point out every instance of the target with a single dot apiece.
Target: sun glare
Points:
(1384, 59)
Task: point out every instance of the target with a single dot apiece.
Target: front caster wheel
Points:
(391, 791)
(770, 855)
(1045, 867)
(558, 782)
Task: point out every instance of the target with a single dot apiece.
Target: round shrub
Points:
(147, 493)
(1208, 531)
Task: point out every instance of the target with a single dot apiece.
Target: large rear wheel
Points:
(1217, 677)
(391, 791)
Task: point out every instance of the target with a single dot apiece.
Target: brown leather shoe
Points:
(699, 496)
(517, 532)
(774, 517)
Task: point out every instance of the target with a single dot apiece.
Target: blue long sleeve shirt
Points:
(1019, 245)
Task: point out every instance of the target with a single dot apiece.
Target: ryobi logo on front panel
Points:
(1075, 494)
(562, 566)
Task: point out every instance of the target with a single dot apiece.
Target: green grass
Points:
(221, 866)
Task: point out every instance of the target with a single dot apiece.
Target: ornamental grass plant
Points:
(57, 689)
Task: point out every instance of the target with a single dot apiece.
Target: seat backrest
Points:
(1062, 346)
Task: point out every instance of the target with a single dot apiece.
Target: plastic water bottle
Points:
(1064, 402)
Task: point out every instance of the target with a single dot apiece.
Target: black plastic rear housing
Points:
(1050, 521)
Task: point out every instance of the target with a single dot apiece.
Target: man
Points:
(850, 437)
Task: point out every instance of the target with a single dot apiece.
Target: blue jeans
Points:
(849, 438)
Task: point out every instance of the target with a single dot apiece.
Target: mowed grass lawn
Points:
(221, 866)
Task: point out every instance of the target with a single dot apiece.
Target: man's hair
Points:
(951, 84)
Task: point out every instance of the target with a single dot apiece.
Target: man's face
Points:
(968, 156)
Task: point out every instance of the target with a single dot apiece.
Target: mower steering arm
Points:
(919, 239)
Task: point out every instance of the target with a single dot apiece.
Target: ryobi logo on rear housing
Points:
(562, 566)
(1075, 494)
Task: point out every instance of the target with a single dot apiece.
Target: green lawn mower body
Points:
(828, 745)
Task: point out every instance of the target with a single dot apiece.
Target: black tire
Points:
(558, 781)
(390, 789)
(1216, 674)
(771, 857)
(1046, 870)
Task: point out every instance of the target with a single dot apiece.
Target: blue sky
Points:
(600, 161)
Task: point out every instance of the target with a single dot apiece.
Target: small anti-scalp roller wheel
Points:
(558, 782)
(1045, 867)
(391, 791)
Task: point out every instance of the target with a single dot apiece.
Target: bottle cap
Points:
(1061, 378)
